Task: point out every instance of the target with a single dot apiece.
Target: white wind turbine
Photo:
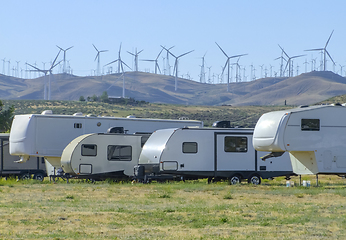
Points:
(45, 72)
(155, 60)
(175, 69)
(64, 61)
(289, 62)
(324, 52)
(227, 64)
(120, 66)
(136, 58)
(98, 59)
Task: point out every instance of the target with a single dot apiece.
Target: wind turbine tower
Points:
(324, 52)
(64, 61)
(202, 75)
(98, 59)
(176, 65)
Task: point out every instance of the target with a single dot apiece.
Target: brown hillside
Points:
(306, 88)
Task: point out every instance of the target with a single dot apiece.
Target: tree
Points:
(104, 97)
(82, 99)
(94, 98)
(6, 117)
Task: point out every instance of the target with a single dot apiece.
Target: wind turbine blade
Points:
(284, 51)
(329, 39)
(159, 54)
(60, 48)
(286, 65)
(34, 67)
(223, 70)
(55, 65)
(315, 49)
(330, 57)
(55, 58)
(185, 53)
(131, 53)
(298, 56)
(98, 53)
(125, 64)
(104, 51)
(95, 48)
(69, 48)
(147, 60)
(221, 49)
(157, 65)
(111, 62)
(238, 55)
(140, 51)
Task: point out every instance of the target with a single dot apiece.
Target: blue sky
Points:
(31, 29)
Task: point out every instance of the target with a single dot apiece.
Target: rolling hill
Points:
(307, 88)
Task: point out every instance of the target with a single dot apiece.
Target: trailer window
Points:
(77, 125)
(89, 150)
(119, 153)
(310, 125)
(190, 147)
(235, 144)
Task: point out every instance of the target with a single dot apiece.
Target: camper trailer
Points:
(46, 135)
(100, 156)
(9, 166)
(314, 136)
(213, 153)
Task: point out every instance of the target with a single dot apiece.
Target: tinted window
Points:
(310, 124)
(190, 147)
(235, 144)
(119, 153)
(89, 150)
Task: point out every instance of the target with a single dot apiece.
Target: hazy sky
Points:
(31, 29)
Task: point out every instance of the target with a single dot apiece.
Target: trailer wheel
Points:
(25, 176)
(235, 179)
(255, 179)
(39, 176)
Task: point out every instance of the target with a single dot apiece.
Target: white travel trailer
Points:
(213, 153)
(103, 155)
(9, 165)
(314, 136)
(46, 135)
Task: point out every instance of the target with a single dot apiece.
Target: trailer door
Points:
(234, 152)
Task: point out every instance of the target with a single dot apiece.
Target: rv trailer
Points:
(213, 153)
(314, 136)
(99, 156)
(46, 135)
(9, 166)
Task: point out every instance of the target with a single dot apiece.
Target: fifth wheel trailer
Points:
(213, 153)
(314, 136)
(9, 166)
(46, 135)
(103, 155)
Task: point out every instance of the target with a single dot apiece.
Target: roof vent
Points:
(78, 114)
(46, 112)
(303, 106)
(131, 116)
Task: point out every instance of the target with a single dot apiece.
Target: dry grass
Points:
(190, 210)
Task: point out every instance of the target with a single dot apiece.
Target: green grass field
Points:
(175, 210)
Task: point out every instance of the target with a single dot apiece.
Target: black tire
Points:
(39, 176)
(255, 179)
(235, 179)
(25, 176)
